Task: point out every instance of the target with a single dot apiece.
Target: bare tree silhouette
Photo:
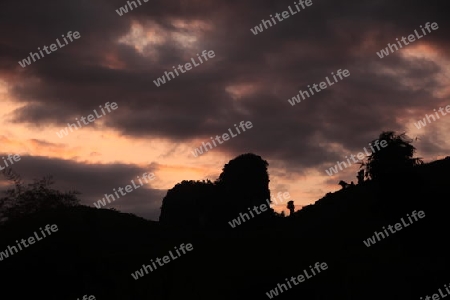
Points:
(23, 200)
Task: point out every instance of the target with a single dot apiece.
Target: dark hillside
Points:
(95, 251)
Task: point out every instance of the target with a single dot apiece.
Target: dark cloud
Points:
(274, 65)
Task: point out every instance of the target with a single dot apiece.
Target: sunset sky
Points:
(155, 129)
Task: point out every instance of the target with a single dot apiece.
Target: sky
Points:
(155, 129)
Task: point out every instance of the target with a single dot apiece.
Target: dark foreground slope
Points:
(95, 251)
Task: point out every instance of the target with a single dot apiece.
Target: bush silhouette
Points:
(396, 157)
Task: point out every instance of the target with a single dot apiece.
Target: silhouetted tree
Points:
(22, 200)
(396, 157)
(291, 207)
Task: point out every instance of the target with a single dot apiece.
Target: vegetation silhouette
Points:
(22, 200)
(395, 158)
(188, 204)
(243, 184)
(95, 250)
(360, 176)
